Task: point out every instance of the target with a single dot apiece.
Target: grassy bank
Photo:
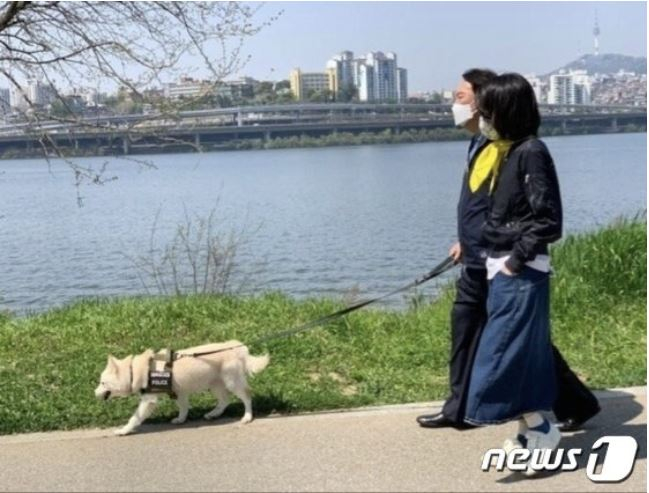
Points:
(50, 363)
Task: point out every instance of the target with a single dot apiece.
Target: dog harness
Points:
(160, 374)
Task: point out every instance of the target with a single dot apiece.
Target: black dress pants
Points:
(468, 318)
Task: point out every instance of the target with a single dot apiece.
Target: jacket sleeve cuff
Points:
(514, 264)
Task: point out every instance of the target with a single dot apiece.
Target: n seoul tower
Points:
(596, 34)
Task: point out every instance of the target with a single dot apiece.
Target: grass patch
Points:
(50, 363)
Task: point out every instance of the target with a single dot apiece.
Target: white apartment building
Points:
(402, 85)
(35, 92)
(376, 77)
(365, 81)
(561, 89)
(40, 93)
(583, 85)
(570, 88)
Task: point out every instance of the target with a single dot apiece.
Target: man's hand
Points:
(456, 252)
(507, 272)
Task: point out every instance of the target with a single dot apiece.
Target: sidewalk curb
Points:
(431, 406)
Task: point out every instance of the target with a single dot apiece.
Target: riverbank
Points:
(305, 141)
(404, 137)
(50, 363)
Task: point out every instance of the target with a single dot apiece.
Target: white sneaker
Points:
(512, 444)
(545, 437)
(520, 441)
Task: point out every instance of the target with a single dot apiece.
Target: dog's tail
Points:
(255, 364)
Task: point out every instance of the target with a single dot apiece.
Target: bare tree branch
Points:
(129, 45)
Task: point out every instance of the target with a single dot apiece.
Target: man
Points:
(575, 403)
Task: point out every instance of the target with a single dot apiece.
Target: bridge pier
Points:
(197, 140)
(564, 125)
(125, 145)
(614, 124)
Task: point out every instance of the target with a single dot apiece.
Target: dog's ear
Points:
(112, 362)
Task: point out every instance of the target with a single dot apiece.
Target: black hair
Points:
(478, 77)
(508, 100)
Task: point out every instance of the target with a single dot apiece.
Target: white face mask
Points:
(462, 113)
(488, 130)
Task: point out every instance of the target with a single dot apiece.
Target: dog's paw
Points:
(120, 432)
(178, 421)
(212, 415)
(247, 418)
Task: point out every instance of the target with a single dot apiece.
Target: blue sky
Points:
(436, 41)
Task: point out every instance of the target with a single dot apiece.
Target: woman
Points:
(513, 374)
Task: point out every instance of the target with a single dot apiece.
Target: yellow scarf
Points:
(488, 164)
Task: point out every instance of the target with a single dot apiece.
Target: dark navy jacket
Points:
(472, 210)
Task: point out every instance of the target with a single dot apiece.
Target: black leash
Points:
(444, 266)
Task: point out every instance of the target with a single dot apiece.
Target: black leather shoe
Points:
(440, 421)
(574, 424)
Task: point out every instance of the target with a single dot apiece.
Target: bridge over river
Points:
(214, 128)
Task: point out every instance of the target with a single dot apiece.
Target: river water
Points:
(328, 221)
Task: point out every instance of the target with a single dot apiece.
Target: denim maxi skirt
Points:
(513, 371)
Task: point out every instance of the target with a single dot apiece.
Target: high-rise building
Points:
(561, 89)
(373, 78)
(582, 82)
(35, 93)
(40, 93)
(385, 75)
(570, 88)
(402, 85)
(341, 70)
(365, 84)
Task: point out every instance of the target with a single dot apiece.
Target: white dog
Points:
(219, 372)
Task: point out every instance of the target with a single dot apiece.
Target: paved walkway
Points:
(379, 449)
